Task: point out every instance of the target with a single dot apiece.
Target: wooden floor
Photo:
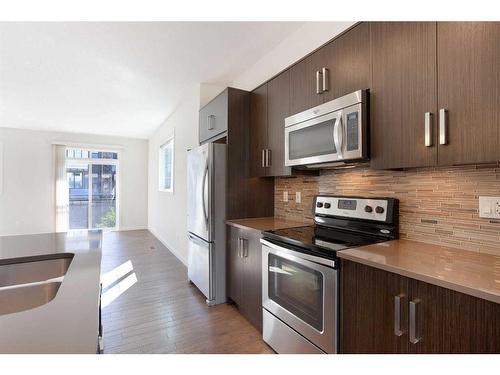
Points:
(162, 312)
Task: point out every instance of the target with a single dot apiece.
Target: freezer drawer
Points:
(200, 255)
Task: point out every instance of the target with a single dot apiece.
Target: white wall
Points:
(27, 198)
(167, 211)
(298, 44)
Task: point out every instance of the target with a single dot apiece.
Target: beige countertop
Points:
(69, 323)
(464, 271)
(264, 223)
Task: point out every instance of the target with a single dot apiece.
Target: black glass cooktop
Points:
(321, 240)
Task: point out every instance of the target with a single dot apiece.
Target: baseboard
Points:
(124, 229)
(169, 247)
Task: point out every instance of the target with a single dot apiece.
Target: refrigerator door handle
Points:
(204, 193)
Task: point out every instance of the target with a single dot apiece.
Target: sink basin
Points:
(27, 296)
(34, 270)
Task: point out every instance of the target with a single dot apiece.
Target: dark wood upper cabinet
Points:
(258, 131)
(347, 59)
(468, 88)
(278, 108)
(403, 90)
(303, 85)
(444, 321)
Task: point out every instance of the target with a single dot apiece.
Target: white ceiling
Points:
(119, 78)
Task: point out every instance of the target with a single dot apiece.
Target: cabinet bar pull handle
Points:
(263, 158)
(398, 331)
(415, 336)
(239, 247)
(318, 90)
(268, 157)
(325, 79)
(211, 121)
(244, 247)
(443, 127)
(428, 129)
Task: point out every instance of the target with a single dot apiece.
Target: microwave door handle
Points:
(338, 136)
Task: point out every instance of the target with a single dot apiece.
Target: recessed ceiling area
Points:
(119, 78)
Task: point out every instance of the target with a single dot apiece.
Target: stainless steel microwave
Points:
(333, 133)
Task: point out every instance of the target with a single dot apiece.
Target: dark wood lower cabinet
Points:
(445, 321)
(244, 272)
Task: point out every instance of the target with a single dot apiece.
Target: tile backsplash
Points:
(436, 205)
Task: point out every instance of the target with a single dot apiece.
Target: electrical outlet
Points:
(285, 196)
(298, 197)
(489, 207)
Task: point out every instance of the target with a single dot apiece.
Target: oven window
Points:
(310, 141)
(298, 289)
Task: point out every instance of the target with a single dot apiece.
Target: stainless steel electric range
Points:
(300, 270)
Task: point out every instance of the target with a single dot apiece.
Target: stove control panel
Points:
(353, 208)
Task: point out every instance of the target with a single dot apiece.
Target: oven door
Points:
(335, 136)
(302, 293)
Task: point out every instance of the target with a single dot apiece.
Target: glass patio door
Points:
(103, 207)
(92, 189)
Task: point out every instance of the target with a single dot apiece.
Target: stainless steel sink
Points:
(28, 296)
(28, 284)
(34, 271)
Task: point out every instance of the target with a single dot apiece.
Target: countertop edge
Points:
(461, 288)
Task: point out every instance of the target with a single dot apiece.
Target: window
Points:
(166, 165)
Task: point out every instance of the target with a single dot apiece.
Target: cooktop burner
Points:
(321, 239)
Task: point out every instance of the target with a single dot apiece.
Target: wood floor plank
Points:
(162, 312)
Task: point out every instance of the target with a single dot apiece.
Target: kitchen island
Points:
(69, 323)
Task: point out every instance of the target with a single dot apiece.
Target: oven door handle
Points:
(297, 256)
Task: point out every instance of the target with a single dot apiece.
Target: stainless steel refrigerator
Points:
(206, 220)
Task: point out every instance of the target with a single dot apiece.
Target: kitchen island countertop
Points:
(69, 323)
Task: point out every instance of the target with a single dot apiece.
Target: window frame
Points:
(161, 165)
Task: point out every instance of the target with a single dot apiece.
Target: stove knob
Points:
(368, 209)
(328, 205)
(379, 210)
(319, 204)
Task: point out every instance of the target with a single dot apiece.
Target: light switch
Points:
(489, 207)
(285, 196)
(298, 197)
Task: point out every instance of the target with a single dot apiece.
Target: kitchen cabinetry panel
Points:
(403, 90)
(244, 272)
(347, 59)
(258, 133)
(444, 321)
(303, 87)
(367, 310)
(468, 88)
(278, 108)
(213, 117)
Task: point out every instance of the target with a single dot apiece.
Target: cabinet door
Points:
(258, 130)
(251, 307)
(403, 90)
(348, 62)
(451, 322)
(213, 117)
(278, 108)
(468, 88)
(303, 93)
(368, 311)
(234, 270)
